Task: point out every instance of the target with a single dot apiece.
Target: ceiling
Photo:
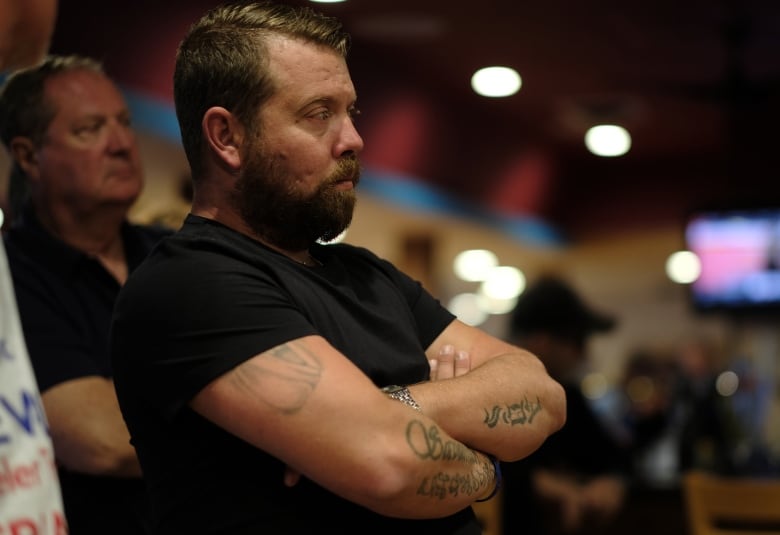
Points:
(696, 82)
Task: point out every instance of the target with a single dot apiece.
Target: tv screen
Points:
(739, 252)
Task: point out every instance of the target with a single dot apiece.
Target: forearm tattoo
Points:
(283, 377)
(429, 444)
(515, 414)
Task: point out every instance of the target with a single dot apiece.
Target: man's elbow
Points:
(557, 406)
(390, 485)
(99, 459)
(550, 419)
(553, 409)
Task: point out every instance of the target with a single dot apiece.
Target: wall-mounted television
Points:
(739, 250)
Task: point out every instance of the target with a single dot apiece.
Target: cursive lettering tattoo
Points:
(515, 414)
(443, 485)
(428, 444)
(283, 377)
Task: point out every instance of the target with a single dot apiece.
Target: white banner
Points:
(30, 500)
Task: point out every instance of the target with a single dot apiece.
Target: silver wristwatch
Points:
(402, 394)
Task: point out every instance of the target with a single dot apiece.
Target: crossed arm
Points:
(87, 429)
(308, 405)
(506, 405)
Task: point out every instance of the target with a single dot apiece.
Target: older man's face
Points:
(89, 155)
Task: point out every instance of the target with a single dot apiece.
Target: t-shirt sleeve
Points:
(185, 327)
(430, 316)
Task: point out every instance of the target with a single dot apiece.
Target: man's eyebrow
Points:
(319, 100)
(314, 102)
(88, 117)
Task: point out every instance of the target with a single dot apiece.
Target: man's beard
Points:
(270, 203)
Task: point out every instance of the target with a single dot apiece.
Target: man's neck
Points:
(96, 233)
(230, 219)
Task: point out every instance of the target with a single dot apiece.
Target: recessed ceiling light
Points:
(496, 82)
(683, 267)
(608, 140)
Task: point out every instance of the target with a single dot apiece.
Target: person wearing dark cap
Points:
(574, 483)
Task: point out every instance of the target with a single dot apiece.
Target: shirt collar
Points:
(37, 242)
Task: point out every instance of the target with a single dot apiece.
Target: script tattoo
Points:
(283, 377)
(428, 444)
(515, 414)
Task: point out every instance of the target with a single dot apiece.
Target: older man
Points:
(76, 171)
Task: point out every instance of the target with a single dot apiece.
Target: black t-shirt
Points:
(65, 300)
(210, 298)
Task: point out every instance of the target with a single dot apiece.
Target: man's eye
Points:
(87, 129)
(323, 115)
(354, 113)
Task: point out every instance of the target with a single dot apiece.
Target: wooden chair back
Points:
(718, 505)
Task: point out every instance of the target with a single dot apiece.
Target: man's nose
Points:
(350, 141)
(121, 138)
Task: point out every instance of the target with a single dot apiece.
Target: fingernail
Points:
(447, 349)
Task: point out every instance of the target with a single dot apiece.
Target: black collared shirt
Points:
(65, 300)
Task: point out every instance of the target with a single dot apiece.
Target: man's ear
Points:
(224, 135)
(23, 152)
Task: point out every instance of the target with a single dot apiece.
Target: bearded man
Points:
(273, 384)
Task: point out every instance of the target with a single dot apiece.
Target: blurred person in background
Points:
(682, 413)
(676, 417)
(576, 481)
(76, 172)
(25, 446)
(649, 417)
(708, 430)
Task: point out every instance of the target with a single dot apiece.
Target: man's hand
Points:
(449, 363)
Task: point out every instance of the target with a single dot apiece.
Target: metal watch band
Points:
(402, 394)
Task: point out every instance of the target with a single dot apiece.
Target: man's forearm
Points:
(506, 407)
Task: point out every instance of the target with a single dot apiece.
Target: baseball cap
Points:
(552, 306)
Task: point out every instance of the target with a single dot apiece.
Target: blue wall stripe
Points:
(153, 116)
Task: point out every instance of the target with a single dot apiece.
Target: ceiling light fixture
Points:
(608, 140)
(683, 267)
(496, 82)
